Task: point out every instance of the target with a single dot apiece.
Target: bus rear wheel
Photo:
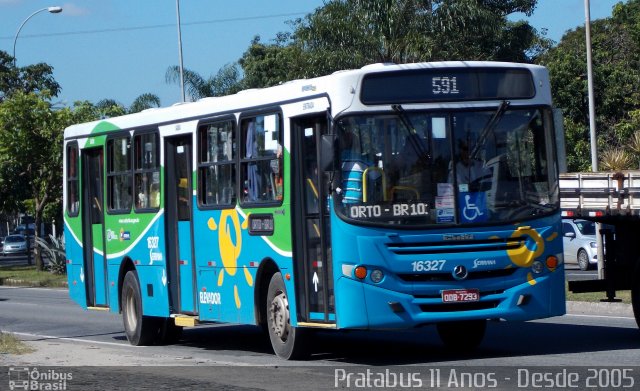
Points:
(288, 342)
(169, 332)
(140, 329)
(462, 336)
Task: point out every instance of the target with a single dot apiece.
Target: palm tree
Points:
(110, 108)
(227, 81)
(143, 102)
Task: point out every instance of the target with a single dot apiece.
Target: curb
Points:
(602, 308)
(23, 283)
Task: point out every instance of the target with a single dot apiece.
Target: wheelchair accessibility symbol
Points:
(473, 207)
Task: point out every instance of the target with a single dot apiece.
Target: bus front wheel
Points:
(140, 329)
(462, 335)
(288, 342)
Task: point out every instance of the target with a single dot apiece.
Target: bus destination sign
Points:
(447, 84)
(386, 211)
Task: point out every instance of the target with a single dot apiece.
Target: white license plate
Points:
(460, 295)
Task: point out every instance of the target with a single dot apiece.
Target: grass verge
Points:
(9, 344)
(596, 297)
(29, 276)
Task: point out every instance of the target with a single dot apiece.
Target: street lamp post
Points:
(181, 67)
(592, 127)
(53, 10)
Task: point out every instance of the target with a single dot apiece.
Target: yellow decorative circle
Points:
(229, 252)
(522, 256)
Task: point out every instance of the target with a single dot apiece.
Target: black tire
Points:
(462, 336)
(140, 330)
(635, 294)
(288, 342)
(169, 332)
(583, 260)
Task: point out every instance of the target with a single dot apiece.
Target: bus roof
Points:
(332, 85)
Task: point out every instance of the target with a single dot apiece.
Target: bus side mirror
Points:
(327, 151)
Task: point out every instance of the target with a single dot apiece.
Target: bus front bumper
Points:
(366, 306)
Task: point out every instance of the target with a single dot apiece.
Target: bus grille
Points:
(477, 275)
(463, 246)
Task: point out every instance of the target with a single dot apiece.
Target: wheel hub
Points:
(131, 313)
(279, 314)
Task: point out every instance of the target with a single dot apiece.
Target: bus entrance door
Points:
(95, 262)
(312, 251)
(178, 209)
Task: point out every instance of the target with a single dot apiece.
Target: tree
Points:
(346, 34)
(110, 108)
(226, 81)
(32, 78)
(31, 146)
(143, 102)
(35, 78)
(616, 68)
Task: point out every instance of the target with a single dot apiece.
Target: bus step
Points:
(98, 308)
(185, 320)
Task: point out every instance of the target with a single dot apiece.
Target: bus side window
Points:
(119, 194)
(146, 171)
(216, 164)
(262, 159)
(73, 204)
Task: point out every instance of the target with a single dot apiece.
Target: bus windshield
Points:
(456, 167)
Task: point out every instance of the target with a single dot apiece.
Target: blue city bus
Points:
(388, 197)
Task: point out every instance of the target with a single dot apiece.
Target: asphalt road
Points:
(613, 339)
(230, 357)
(573, 273)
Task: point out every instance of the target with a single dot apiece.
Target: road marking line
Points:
(602, 316)
(72, 339)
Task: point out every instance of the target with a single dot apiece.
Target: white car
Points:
(14, 244)
(579, 240)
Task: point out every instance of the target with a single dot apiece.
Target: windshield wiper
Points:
(489, 127)
(422, 152)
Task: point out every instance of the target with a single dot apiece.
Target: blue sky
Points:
(120, 49)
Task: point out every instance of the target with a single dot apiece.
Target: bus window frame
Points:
(241, 152)
(69, 179)
(156, 132)
(109, 173)
(200, 164)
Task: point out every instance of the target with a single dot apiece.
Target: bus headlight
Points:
(376, 275)
(537, 267)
